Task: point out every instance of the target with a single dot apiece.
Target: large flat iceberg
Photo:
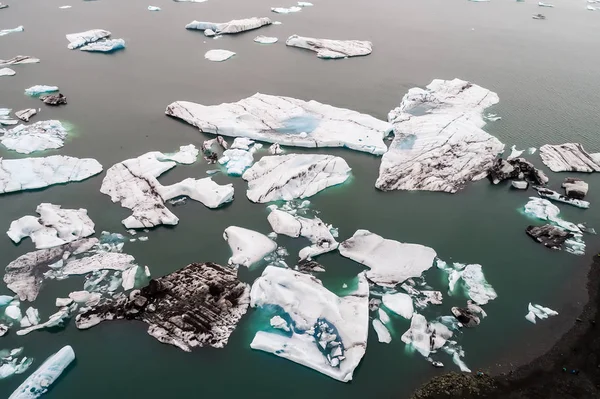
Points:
(31, 173)
(328, 332)
(438, 142)
(38, 136)
(390, 262)
(287, 121)
(287, 177)
(569, 157)
(105, 46)
(80, 39)
(234, 26)
(331, 49)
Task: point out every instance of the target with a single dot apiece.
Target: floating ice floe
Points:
(491, 117)
(173, 306)
(218, 55)
(399, 303)
(10, 364)
(438, 142)
(54, 99)
(25, 114)
(19, 59)
(279, 322)
(275, 149)
(569, 157)
(231, 27)
(514, 153)
(80, 39)
(390, 262)
(331, 49)
(520, 184)
(58, 319)
(3, 6)
(206, 191)
(329, 333)
(426, 337)
(105, 46)
(54, 226)
(40, 89)
(305, 4)
(575, 188)
(472, 280)
(4, 32)
(247, 246)
(548, 235)
(516, 168)
(422, 298)
(287, 177)
(383, 335)
(542, 4)
(317, 232)
(40, 380)
(64, 7)
(31, 317)
(544, 210)
(10, 72)
(153, 8)
(540, 312)
(39, 136)
(284, 10)
(554, 196)
(237, 160)
(6, 119)
(265, 39)
(286, 121)
(31, 173)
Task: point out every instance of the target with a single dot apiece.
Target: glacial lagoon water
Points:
(545, 72)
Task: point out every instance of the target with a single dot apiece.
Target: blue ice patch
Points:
(299, 124)
(407, 142)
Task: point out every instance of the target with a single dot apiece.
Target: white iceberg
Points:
(40, 380)
(569, 157)
(6, 119)
(286, 121)
(80, 39)
(31, 173)
(305, 4)
(4, 32)
(10, 72)
(542, 4)
(331, 49)
(64, 7)
(40, 89)
(85, 298)
(260, 39)
(38, 136)
(514, 153)
(218, 55)
(105, 46)
(329, 333)
(58, 319)
(286, 177)
(383, 335)
(54, 227)
(544, 210)
(540, 312)
(247, 246)
(426, 337)
(98, 261)
(205, 190)
(438, 142)
(399, 303)
(25, 114)
(31, 318)
(473, 281)
(10, 363)
(284, 10)
(153, 8)
(390, 262)
(19, 59)
(279, 323)
(234, 26)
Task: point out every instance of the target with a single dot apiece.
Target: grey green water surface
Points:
(545, 72)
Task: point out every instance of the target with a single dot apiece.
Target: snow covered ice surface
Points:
(240, 156)
(205, 190)
(218, 55)
(40, 89)
(331, 49)
(329, 333)
(390, 262)
(286, 121)
(40, 380)
(247, 246)
(10, 72)
(569, 157)
(538, 311)
(5, 32)
(38, 136)
(438, 141)
(472, 280)
(264, 40)
(80, 39)
(231, 27)
(31, 173)
(286, 177)
(399, 303)
(105, 46)
(54, 227)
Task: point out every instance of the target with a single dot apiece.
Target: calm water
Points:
(545, 73)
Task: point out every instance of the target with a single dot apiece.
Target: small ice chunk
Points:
(205, 190)
(265, 39)
(40, 89)
(520, 184)
(284, 10)
(153, 8)
(105, 46)
(514, 153)
(25, 114)
(61, 302)
(231, 27)
(10, 72)
(237, 161)
(542, 4)
(275, 149)
(85, 298)
(279, 323)
(4, 32)
(383, 316)
(540, 312)
(247, 246)
(426, 337)
(383, 335)
(399, 303)
(13, 312)
(64, 7)
(80, 39)
(474, 282)
(218, 55)
(331, 49)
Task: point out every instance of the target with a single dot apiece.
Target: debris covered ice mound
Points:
(327, 333)
(438, 141)
(39, 136)
(331, 49)
(286, 121)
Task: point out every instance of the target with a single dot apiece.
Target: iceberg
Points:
(54, 99)
(575, 188)
(390, 262)
(248, 246)
(6, 119)
(262, 39)
(399, 303)
(383, 335)
(542, 4)
(286, 121)
(473, 281)
(58, 319)
(5, 32)
(10, 72)
(43, 135)
(64, 7)
(514, 153)
(218, 55)
(205, 190)
(10, 363)
(544, 210)
(286, 177)
(85, 298)
(54, 227)
(153, 8)
(105, 46)
(279, 323)
(569, 157)
(438, 142)
(426, 337)
(231, 27)
(31, 173)
(516, 168)
(554, 196)
(540, 312)
(329, 333)
(237, 160)
(520, 184)
(133, 183)
(80, 39)
(331, 49)
(40, 380)
(25, 114)
(40, 89)
(283, 10)
(199, 305)
(19, 59)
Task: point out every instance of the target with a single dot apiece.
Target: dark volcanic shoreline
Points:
(570, 369)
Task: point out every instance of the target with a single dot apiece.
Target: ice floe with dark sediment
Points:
(31, 173)
(516, 168)
(287, 177)
(25, 114)
(390, 262)
(569, 157)
(105, 46)
(438, 141)
(231, 27)
(328, 332)
(286, 121)
(550, 236)
(80, 39)
(575, 188)
(554, 196)
(39, 136)
(247, 246)
(331, 49)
